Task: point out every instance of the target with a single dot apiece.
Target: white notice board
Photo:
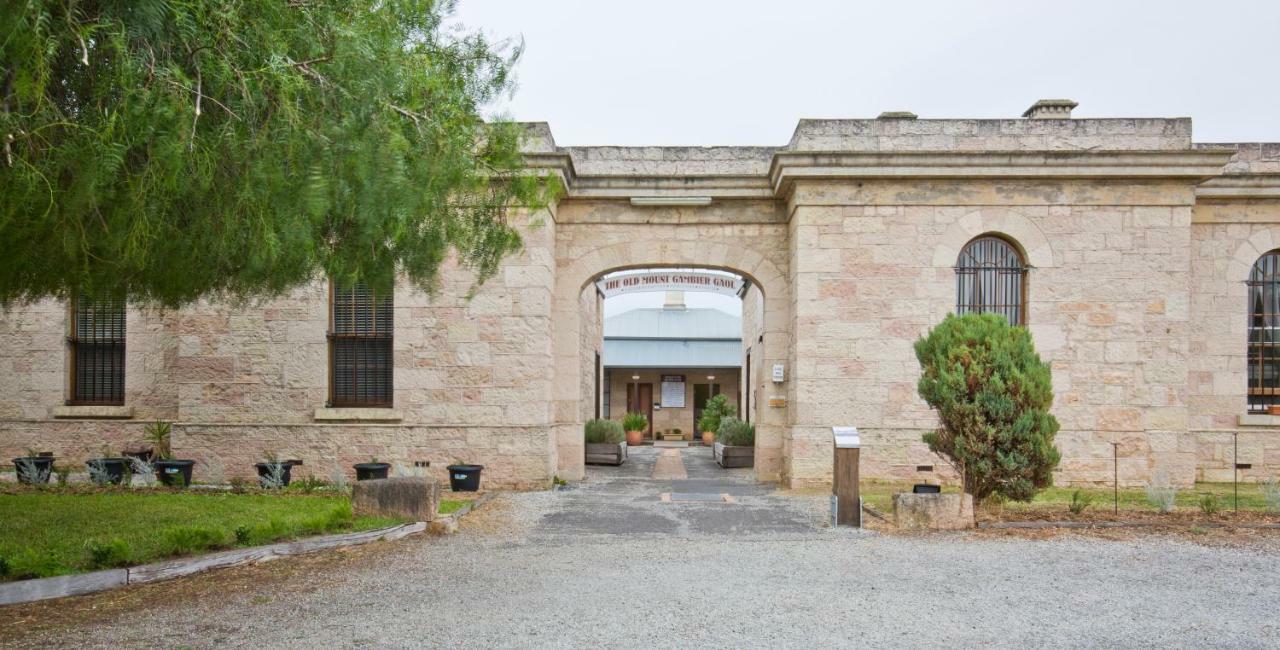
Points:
(672, 391)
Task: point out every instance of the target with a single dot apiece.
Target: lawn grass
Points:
(880, 495)
(448, 507)
(48, 532)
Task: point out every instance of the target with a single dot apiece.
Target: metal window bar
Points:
(96, 341)
(1264, 333)
(991, 277)
(360, 348)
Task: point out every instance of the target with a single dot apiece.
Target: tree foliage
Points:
(171, 149)
(992, 393)
(716, 409)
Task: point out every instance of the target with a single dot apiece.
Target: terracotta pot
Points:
(708, 438)
(635, 438)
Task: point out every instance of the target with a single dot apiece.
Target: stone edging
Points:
(1119, 524)
(25, 591)
(448, 524)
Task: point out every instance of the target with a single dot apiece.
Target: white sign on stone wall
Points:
(673, 391)
(640, 281)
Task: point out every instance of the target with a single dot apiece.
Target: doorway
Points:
(701, 393)
(640, 400)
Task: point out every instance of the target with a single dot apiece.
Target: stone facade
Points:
(1139, 242)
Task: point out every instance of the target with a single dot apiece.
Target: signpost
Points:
(641, 281)
(846, 502)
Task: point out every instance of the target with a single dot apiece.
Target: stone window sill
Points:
(1259, 420)
(358, 415)
(91, 412)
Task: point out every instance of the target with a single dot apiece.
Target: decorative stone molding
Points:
(1245, 256)
(91, 412)
(358, 415)
(1021, 230)
(1259, 420)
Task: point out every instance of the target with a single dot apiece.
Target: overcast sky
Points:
(703, 72)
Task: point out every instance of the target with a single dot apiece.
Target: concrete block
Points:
(414, 497)
(933, 511)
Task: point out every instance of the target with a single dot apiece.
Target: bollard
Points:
(846, 503)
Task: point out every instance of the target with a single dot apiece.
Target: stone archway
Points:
(573, 276)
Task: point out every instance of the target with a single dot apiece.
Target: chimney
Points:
(675, 300)
(1050, 109)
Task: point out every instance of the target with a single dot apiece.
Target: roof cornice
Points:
(1233, 186)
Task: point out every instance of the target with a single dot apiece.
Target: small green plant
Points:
(556, 481)
(1162, 496)
(310, 483)
(242, 535)
(736, 433)
(634, 421)
(603, 431)
(273, 479)
(4, 567)
(31, 472)
(158, 434)
(1080, 501)
(146, 472)
(63, 474)
(105, 554)
(338, 478)
(1198, 530)
(716, 409)
(1209, 504)
(184, 540)
(1271, 492)
(98, 473)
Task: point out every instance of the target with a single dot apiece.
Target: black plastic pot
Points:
(174, 472)
(118, 470)
(464, 478)
(925, 488)
(43, 465)
(370, 471)
(264, 470)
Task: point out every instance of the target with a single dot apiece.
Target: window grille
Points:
(991, 277)
(96, 342)
(1264, 333)
(360, 355)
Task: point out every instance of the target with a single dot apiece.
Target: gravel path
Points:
(609, 564)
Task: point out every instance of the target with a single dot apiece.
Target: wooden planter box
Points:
(606, 453)
(727, 456)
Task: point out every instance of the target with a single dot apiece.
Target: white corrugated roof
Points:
(656, 323)
(671, 353)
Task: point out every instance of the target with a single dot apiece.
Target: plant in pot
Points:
(169, 470)
(716, 409)
(371, 470)
(605, 442)
(634, 424)
(464, 477)
(735, 443)
(273, 474)
(109, 469)
(33, 469)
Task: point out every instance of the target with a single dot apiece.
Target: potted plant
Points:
(109, 469)
(169, 470)
(672, 434)
(735, 443)
(716, 409)
(273, 474)
(635, 424)
(464, 477)
(605, 442)
(371, 470)
(33, 469)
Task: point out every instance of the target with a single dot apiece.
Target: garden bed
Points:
(52, 532)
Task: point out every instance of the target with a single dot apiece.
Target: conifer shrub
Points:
(603, 431)
(992, 394)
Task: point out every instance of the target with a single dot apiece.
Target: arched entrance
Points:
(576, 333)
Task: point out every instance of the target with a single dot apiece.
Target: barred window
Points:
(991, 277)
(96, 341)
(360, 329)
(1264, 332)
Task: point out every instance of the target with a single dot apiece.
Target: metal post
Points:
(1115, 475)
(1235, 472)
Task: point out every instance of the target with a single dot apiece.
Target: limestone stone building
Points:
(1143, 263)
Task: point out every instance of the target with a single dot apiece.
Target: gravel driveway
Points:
(609, 563)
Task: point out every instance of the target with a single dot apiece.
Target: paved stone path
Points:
(608, 563)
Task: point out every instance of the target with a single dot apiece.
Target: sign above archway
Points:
(641, 281)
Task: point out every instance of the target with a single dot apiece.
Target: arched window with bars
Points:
(991, 277)
(1264, 333)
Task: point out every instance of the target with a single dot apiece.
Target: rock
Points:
(414, 497)
(933, 511)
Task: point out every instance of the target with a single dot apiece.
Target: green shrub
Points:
(634, 421)
(1209, 504)
(1080, 502)
(4, 567)
(992, 393)
(735, 432)
(716, 409)
(110, 553)
(184, 540)
(603, 431)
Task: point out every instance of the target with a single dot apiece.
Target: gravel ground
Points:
(609, 564)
